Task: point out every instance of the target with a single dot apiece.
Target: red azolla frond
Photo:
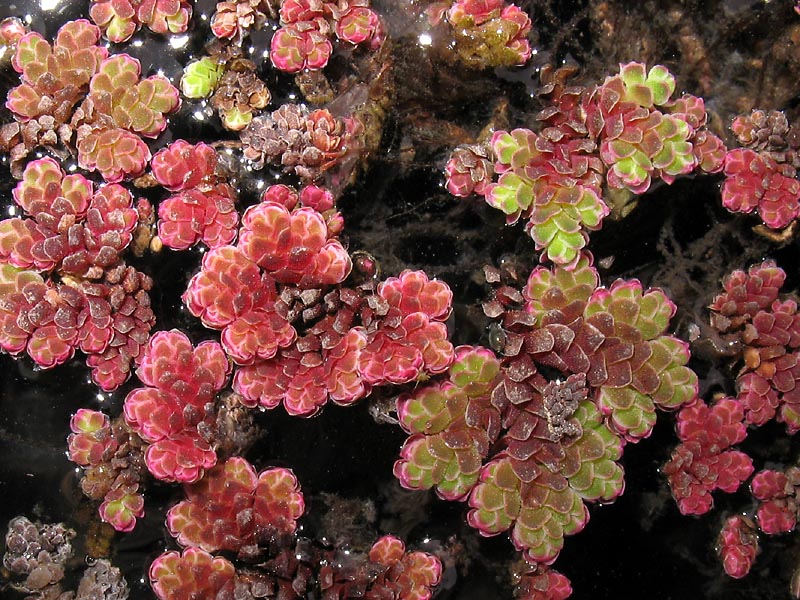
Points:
(358, 25)
(746, 293)
(72, 60)
(228, 286)
(704, 461)
(469, 170)
(46, 190)
(257, 335)
(21, 244)
(233, 507)
(412, 292)
(342, 377)
(293, 247)
(720, 425)
(181, 165)
(120, 19)
(191, 574)
(777, 492)
(264, 382)
(38, 317)
(753, 181)
(121, 507)
(198, 214)
(182, 458)
(543, 583)
(398, 354)
(296, 47)
(759, 399)
(115, 153)
(116, 324)
(406, 574)
(737, 546)
(282, 195)
(91, 437)
(109, 225)
(170, 363)
(183, 380)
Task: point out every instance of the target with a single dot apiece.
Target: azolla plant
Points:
(597, 147)
(761, 324)
(529, 439)
(280, 313)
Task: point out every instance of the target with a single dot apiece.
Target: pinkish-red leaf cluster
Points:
(704, 460)
(307, 26)
(203, 207)
(182, 382)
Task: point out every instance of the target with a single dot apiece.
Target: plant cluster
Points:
(295, 339)
(485, 33)
(761, 175)
(75, 98)
(752, 316)
(172, 413)
(111, 456)
(120, 19)
(307, 143)
(531, 438)
(230, 82)
(40, 553)
(598, 146)
(253, 516)
(529, 434)
(307, 26)
(203, 207)
(63, 285)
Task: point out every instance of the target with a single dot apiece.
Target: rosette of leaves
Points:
(182, 382)
(539, 503)
(555, 186)
(193, 573)
(410, 338)
(73, 228)
(304, 39)
(203, 206)
(704, 460)
(403, 574)
(54, 78)
(119, 110)
(120, 19)
(231, 294)
(778, 493)
(540, 582)
(295, 244)
(616, 336)
(452, 425)
(737, 545)
(532, 437)
(761, 176)
(232, 508)
(752, 314)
